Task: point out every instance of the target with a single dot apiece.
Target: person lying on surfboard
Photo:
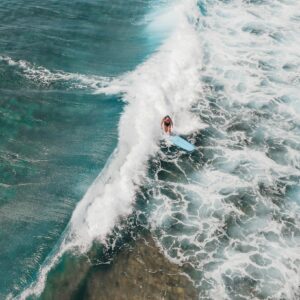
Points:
(167, 124)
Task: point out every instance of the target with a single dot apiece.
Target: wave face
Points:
(228, 74)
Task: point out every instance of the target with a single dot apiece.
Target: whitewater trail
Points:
(167, 82)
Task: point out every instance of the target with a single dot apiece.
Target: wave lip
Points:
(235, 224)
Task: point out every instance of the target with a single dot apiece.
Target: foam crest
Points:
(45, 78)
(167, 83)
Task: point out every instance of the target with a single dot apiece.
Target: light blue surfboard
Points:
(182, 143)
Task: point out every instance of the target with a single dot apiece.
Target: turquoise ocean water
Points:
(83, 87)
(55, 134)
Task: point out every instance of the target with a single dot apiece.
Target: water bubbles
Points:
(237, 221)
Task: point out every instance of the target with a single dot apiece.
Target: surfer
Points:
(167, 124)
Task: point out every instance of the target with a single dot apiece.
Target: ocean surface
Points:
(83, 87)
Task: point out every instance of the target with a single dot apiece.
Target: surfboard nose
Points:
(181, 143)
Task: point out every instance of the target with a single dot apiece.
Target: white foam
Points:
(254, 78)
(45, 77)
(167, 83)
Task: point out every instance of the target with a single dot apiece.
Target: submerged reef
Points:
(138, 271)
